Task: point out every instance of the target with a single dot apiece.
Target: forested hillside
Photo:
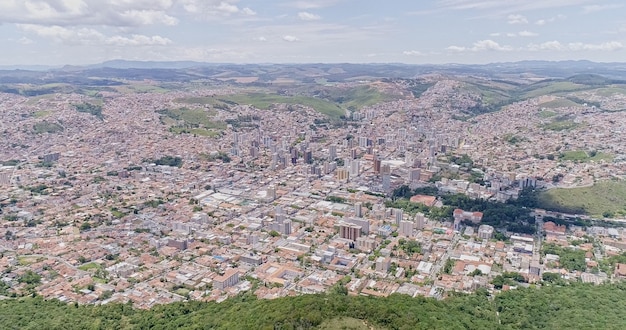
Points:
(577, 306)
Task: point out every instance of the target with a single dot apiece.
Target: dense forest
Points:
(575, 306)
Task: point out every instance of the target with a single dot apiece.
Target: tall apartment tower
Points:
(358, 210)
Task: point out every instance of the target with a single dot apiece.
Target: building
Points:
(358, 210)
(485, 232)
(230, 278)
(406, 228)
(342, 174)
(349, 231)
(419, 221)
(363, 223)
(382, 264)
(366, 244)
(399, 214)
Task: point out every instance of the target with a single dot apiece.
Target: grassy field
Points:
(88, 266)
(546, 114)
(345, 323)
(47, 127)
(41, 113)
(264, 101)
(561, 125)
(140, 88)
(547, 88)
(583, 156)
(192, 121)
(602, 198)
(559, 103)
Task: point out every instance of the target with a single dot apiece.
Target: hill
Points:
(575, 306)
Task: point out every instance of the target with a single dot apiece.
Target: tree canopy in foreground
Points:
(575, 306)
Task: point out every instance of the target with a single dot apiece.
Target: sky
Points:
(79, 32)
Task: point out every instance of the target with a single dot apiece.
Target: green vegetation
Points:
(565, 306)
(583, 156)
(546, 114)
(264, 101)
(561, 125)
(597, 200)
(191, 121)
(410, 247)
(551, 87)
(569, 259)
(166, 160)
(336, 199)
(93, 109)
(88, 266)
(47, 127)
(559, 103)
(507, 278)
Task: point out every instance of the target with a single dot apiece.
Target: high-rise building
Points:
(419, 221)
(363, 223)
(355, 168)
(349, 231)
(358, 210)
(399, 214)
(406, 228)
(271, 193)
(342, 174)
(332, 152)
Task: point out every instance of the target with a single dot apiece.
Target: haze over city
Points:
(82, 32)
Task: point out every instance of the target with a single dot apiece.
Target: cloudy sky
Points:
(57, 32)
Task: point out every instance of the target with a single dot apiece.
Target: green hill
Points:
(575, 306)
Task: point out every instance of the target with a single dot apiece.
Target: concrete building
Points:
(230, 278)
(485, 232)
(349, 231)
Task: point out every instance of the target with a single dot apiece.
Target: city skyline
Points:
(333, 31)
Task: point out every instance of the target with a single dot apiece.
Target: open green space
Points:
(264, 101)
(559, 103)
(140, 88)
(41, 113)
(551, 87)
(47, 127)
(561, 123)
(88, 266)
(604, 198)
(192, 121)
(583, 156)
(568, 306)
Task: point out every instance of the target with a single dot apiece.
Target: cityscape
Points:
(135, 193)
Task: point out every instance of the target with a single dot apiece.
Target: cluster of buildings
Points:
(296, 207)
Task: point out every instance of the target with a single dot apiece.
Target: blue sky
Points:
(57, 32)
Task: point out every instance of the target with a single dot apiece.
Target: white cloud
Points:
(306, 16)
(489, 45)
(248, 11)
(596, 8)
(576, 46)
(138, 40)
(456, 48)
(495, 34)
(545, 21)
(412, 53)
(261, 39)
(482, 45)
(75, 36)
(25, 41)
(501, 7)
(289, 38)
(304, 4)
(148, 17)
(516, 19)
(527, 34)
(87, 36)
